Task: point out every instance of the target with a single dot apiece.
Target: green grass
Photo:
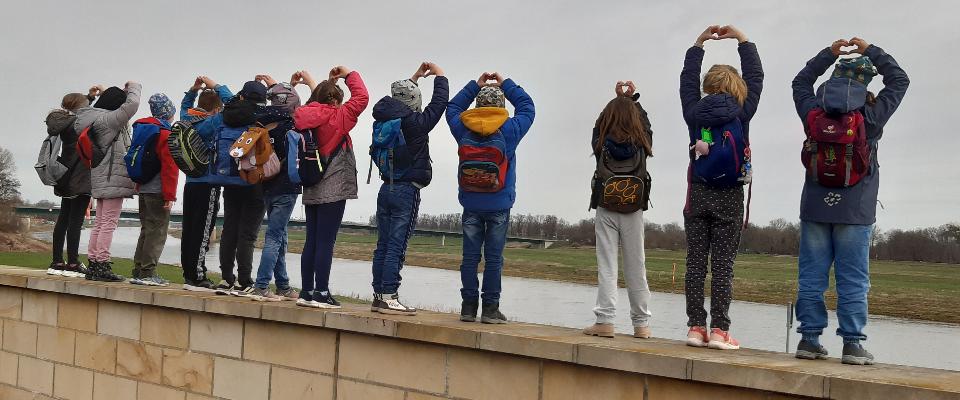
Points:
(122, 266)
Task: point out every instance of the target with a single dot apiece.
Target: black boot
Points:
(855, 354)
(492, 315)
(468, 311)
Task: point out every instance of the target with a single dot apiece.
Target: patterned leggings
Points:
(712, 219)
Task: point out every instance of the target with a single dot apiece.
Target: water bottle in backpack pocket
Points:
(726, 164)
(142, 160)
(836, 152)
(483, 163)
(388, 151)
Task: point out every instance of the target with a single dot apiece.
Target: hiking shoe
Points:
(855, 354)
(153, 281)
(203, 285)
(377, 302)
(468, 311)
(391, 305)
(642, 332)
(226, 288)
(257, 294)
(807, 350)
(491, 314)
(56, 268)
(75, 270)
(325, 300)
(598, 329)
(103, 272)
(697, 336)
(721, 340)
(243, 291)
(288, 294)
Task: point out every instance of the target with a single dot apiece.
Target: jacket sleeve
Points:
(646, 121)
(524, 110)
(895, 83)
(752, 71)
(359, 98)
(690, 81)
(117, 119)
(458, 104)
(804, 96)
(169, 173)
(431, 114)
(189, 98)
(224, 92)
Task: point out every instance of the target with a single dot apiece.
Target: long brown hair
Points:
(327, 92)
(621, 121)
(73, 101)
(722, 78)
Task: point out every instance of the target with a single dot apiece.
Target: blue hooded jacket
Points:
(206, 128)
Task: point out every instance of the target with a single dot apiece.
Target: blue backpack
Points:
(224, 170)
(294, 147)
(389, 151)
(728, 163)
(141, 160)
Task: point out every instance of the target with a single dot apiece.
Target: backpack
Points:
(294, 148)
(311, 165)
(224, 170)
(836, 153)
(389, 151)
(142, 160)
(256, 160)
(483, 163)
(48, 167)
(189, 150)
(622, 186)
(91, 154)
(728, 163)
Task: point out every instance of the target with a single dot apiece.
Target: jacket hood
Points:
(389, 108)
(620, 151)
(484, 121)
(58, 120)
(716, 109)
(239, 113)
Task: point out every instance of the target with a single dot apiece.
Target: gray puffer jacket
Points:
(109, 179)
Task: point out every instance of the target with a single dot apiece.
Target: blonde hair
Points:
(723, 78)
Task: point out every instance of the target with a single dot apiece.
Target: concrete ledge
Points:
(752, 369)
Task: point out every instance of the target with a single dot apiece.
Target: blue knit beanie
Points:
(161, 107)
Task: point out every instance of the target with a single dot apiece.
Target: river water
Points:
(759, 326)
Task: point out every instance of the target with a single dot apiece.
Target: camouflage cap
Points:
(860, 69)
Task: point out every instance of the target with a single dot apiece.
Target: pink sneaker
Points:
(697, 336)
(721, 340)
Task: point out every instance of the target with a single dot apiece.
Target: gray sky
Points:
(567, 55)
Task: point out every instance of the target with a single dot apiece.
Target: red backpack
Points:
(85, 146)
(483, 163)
(836, 153)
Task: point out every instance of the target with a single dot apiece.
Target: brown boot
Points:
(602, 330)
(642, 332)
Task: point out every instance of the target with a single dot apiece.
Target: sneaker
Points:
(721, 340)
(697, 336)
(598, 329)
(391, 305)
(75, 270)
(243, 291)
(203, 285)
(326, 300)
(807, 350)
(642, 332)
(306, 300)
(288, 294)
(265, 294)
(468, 311)
(150, 281)
(103, 272)
(56, 268)
(226, 288)
(855, 354)
(377, 302)
(491, 314)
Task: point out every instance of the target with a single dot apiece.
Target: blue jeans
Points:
(397, 208)
(273, 258)
(486, 230)
(847, 247)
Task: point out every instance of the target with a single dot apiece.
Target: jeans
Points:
(847, 247)
(486, 230)
(201, 202)
(323, 223)
(242, 217)
(154, 221)
(615, 231)
(273, 258)
(105, 223)
(397, 208)
(69, 224)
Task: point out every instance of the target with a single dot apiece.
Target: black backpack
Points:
(621, 186)
(189, 150)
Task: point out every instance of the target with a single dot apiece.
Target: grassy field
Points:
(900, 289)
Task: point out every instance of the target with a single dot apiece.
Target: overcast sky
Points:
(567, 54)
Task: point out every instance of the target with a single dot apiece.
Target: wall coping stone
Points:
(755, 369)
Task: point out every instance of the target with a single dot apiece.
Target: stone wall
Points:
(73, 339)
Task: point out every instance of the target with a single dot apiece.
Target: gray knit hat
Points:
(491, 96)
(407, 92)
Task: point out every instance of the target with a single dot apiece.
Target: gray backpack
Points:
(48, 167)
(621, 186)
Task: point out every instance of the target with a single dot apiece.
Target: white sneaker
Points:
(243, 291)
(391, 305)
(54, 271)
(308, 303)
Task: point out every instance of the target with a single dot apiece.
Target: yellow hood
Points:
(484, 121)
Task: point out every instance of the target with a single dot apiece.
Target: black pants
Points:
(69, 224)
(201, 202)
(323, 223)
(243, 212)
(712, 219)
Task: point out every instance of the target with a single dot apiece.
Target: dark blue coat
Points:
(416, 127)
(856, 205)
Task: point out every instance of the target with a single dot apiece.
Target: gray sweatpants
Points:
(613, 231)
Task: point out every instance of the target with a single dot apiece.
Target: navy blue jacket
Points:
(416, 127)
(279, 184)
(856, 205)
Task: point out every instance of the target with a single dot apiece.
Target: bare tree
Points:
(9, 184)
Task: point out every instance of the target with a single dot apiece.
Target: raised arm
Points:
(690, 75)
(524, 110)
(752, 74)
(804, 96)
(359, 98)
(438, 101)
(189, 98)
(895, 83)
(460, 103)
(116, 119)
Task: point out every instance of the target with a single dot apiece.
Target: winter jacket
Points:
(109, 179)
(487, 121)
(205, 128)
(855, 205)
(76, 181)
(165, 182)
(331, 126)
(415, 127)
(281, 115)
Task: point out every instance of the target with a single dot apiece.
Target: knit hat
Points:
(254, 91)
(407, 92)
(860, 69)
(161, 107)
(491, 96)
(111, 99)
